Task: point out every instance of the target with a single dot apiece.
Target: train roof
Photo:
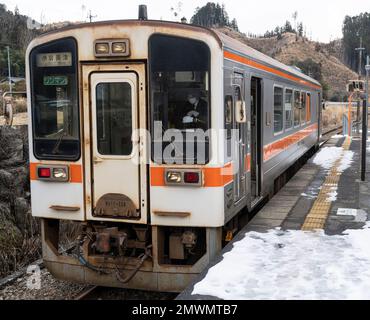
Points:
(225, 42)
(243, 49)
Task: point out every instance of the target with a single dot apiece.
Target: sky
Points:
(323, 19)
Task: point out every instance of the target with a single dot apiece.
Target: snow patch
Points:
(332, 196)
(346, 160)
(293, 265)
(329, 155)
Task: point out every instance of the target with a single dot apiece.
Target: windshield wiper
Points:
(56, 147)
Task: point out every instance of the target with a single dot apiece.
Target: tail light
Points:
(191, 177)
(183, 177)
(44, 173)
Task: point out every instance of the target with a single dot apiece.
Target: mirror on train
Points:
(240, 112)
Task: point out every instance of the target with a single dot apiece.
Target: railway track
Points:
(105, 293)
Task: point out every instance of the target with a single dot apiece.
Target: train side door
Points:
(256, 140)
(239, 125)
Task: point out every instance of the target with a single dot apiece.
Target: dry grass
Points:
(68, 232)
(20, 105)
(20, 255)
(17, 257)
(332, 116)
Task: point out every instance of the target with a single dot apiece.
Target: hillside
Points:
(290, 50)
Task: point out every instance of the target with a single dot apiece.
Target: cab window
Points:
(54, 100)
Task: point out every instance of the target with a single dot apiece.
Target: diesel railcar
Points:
(154, 137)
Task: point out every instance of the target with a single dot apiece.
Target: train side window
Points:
(278, 110)
(308, 103)
(303, 108)
(288, 109)
(297, 106)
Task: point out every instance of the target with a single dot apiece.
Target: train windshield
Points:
(179, 91)
(55, 101)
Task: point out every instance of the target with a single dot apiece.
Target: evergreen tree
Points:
(300, 29)
(213, 15)
(234, 25)
(354, 28)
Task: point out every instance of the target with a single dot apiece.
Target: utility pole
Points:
(9, 71)
(360, 50)
(90, 16)
(365, 113)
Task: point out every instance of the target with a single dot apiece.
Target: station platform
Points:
(310, 241)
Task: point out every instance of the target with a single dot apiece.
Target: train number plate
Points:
(115, 205)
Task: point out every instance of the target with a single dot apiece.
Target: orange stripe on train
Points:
(75, 171)
(256, 65)
(213, 177)
(275, 148)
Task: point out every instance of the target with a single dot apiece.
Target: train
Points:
(156, 139)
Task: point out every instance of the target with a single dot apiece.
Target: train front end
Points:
(121, 144)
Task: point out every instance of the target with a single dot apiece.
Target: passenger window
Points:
(288, 109)
(303, 110)
(278, 110)
(297, 106)
(114, 118)
(308, 103)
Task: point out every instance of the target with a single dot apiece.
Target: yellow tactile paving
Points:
(319, 212)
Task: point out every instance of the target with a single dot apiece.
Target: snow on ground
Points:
(326, 159)
(329, 155)
(346, 161)
(293, 265)
(311, 192)
(296, 264)
(332, 195)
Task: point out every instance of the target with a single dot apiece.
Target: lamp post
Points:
(364, 122)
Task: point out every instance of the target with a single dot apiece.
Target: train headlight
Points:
(102, 48)
(60, 173)
(173, 177)
(119, 47)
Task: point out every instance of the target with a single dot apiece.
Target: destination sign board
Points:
(57, 59)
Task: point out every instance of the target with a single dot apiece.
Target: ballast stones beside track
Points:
(49, 288)
(288, 212)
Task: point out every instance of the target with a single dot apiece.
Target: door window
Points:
(114, 118)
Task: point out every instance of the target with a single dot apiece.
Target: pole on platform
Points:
(9, 71)
(349, 114)
(364, 123)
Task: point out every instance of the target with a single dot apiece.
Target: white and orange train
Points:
(155, 210)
